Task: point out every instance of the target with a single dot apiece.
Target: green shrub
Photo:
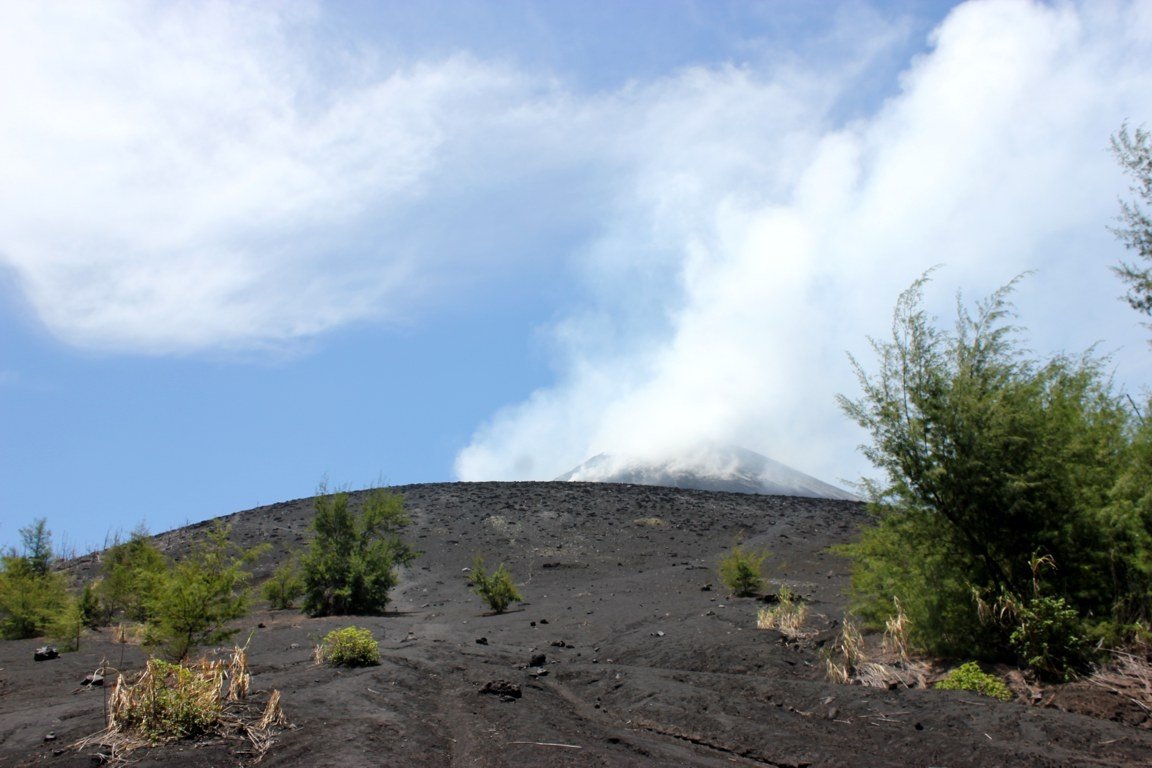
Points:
(1049, 637)
(988, 457)
(284, 587)
(740, 571)
(349, 647)
(969, 677)
(350, 566)
(497, 588)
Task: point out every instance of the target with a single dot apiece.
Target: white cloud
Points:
(991, 160)
(188, 176)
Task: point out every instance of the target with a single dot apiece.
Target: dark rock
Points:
(501, 688)
(481, 641)
(46, 652)
(94, 679)
(538, 660)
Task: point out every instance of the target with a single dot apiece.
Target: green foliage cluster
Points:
(969, 677)
(32, 596)
(133, 574)
(200, 595)
(992, 460)
(349, 647)
(285, 586)
(1133, 150)
(496, 588)
(741, 571)
(350, 566)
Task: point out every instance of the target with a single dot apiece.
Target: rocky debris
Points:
(46, 653)
(505, 689)
(94, 680)
(538, 660)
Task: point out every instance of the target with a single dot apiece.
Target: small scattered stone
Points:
(706, 588)
(50, 736)
(538, 660)
(95, 680)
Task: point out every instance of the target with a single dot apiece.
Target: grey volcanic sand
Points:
(645, 665)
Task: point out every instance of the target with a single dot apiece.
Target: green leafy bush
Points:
(497, 588)
(350, 566)
(349, 647)
(969, 677)
(285, 586)
(740, 571)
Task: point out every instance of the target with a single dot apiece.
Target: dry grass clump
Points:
(787, 615)
(1128, 675)
(895, 640)
(844, 657)
(846, 660)
(651, 522)
(172, 701)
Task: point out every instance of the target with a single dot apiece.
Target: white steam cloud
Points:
(991, 159)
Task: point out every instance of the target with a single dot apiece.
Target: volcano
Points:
(708, 468)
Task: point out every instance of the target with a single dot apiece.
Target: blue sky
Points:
(248, 246)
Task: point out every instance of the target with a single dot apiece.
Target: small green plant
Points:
(740, 570)
(285, 585)
(787, 615)
(496, 588)
(1049, 637)
(1044, 631)
(969, 677)
(349, 647)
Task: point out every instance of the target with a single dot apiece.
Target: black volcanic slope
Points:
(648, 661)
